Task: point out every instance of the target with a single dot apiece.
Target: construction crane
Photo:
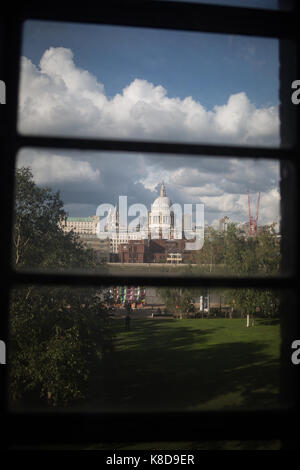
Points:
(252, 221)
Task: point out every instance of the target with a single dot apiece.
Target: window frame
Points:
(78, 428)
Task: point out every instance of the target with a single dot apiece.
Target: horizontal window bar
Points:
(184, 16)
(88, 279)
(176, 426)
(258, 4)
(156, 147)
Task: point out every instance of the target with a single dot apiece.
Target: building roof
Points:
(80, 219)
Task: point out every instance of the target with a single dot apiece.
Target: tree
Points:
(268, 252)
(38, 240)
(57, 334)
(256, 255)
(253, 256)
(212, 252)
(180, 301)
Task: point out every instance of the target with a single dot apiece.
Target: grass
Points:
(210, 364)
(157, 269)
(164, 268)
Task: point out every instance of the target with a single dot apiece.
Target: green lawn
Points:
(189, 365)
(157, 269)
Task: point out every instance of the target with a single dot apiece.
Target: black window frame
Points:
(78, 428)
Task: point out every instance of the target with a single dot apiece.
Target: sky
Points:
(134, 83)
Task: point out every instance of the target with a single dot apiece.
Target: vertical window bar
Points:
(289, 321)
(9, 69)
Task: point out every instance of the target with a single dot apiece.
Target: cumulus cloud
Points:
(59, 98)
(53, 168)
(240, 119)
(222, 185)
(236, 206)
(270, 206)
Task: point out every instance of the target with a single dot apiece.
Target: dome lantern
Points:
(163, 190)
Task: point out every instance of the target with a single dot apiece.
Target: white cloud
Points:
(270, 206)
(236, 206)
(187, 176)
(57, 63)
(224, 203)
(240, 119)
(222, 185)
(59, 98)
(51, 168)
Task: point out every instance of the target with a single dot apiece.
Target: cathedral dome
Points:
(162, 203)
(161, 217)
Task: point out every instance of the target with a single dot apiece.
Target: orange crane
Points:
(252, 221)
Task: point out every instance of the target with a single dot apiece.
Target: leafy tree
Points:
(253, 256)
(38, 240)
(212, 252)
(240, 256)
(180, 301)
(231, 253)
(268, 252)
(57, 334)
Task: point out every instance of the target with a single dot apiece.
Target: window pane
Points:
(191, 350)
(134, 83)
(143, 214)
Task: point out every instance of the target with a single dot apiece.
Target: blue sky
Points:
(209, 67)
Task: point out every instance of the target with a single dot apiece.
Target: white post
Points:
(248, 320)
(208, 302)
(2, 92)
(2, 352)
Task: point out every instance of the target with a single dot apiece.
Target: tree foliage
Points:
(252, 256)
(57, 334)
(239, 256)
(212, 252)
(38, 240)
(180, 301)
